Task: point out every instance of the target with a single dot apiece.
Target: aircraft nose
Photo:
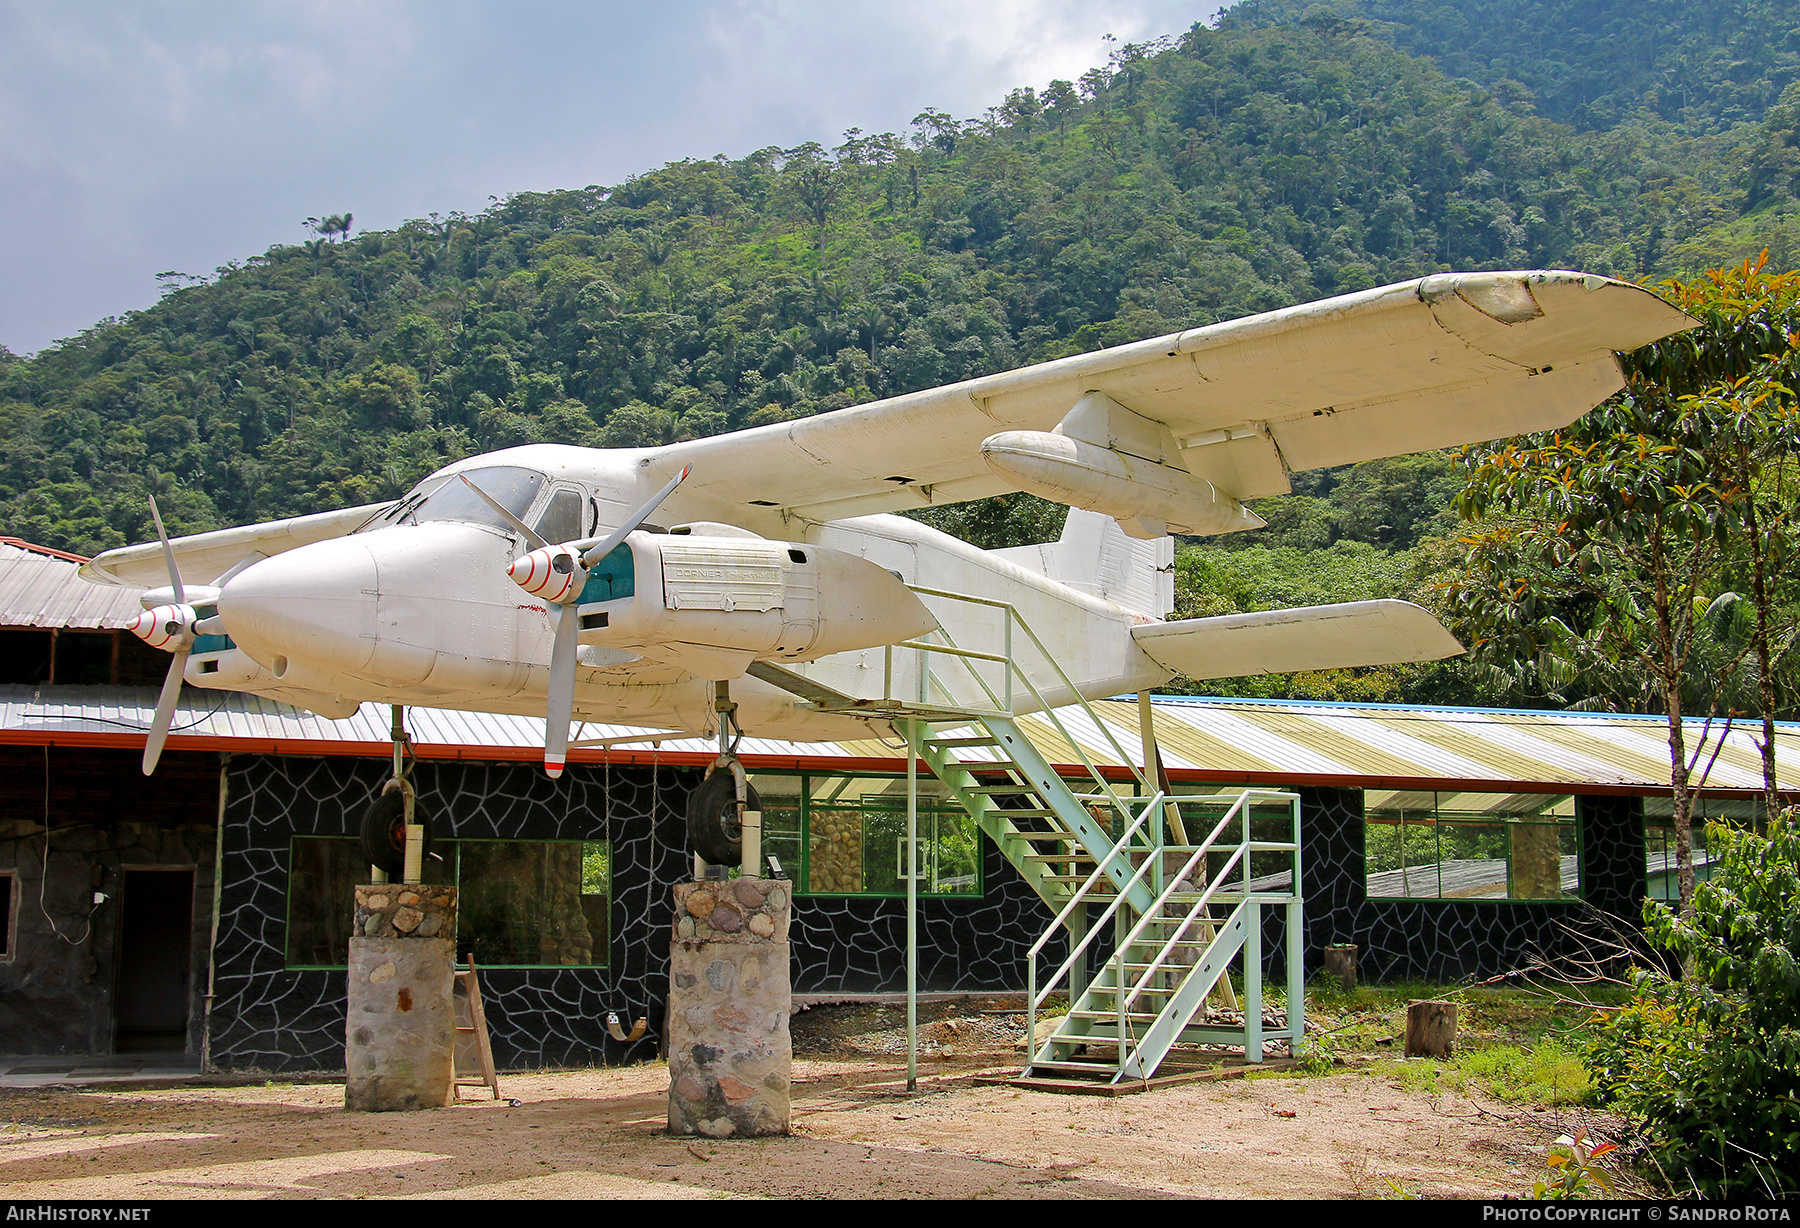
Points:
(315, 603)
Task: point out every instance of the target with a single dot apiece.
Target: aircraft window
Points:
(401, 510)
(561, 521)
(509, 486)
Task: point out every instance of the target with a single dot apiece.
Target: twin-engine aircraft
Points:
(623, 585)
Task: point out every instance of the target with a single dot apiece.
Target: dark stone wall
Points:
(58, 990)
(848, 945)
(271, 1018)
(56, 996)
(1448, 940)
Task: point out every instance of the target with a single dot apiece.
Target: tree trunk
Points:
(1430, 1029)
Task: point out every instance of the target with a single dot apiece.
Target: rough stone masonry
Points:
(730, 1053)
(400, 1034)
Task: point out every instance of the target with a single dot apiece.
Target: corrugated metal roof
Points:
(40, 590)
(1224, 740)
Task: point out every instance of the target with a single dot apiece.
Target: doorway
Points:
(156, 927)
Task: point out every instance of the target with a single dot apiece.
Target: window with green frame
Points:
(1470, 846)
(846, 835)
(520, 903)
(1661, 879)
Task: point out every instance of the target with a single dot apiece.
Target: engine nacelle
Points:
(1146, 498)
(715, 604)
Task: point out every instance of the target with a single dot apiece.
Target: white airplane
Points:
(532, 580)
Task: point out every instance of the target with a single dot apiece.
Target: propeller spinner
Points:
(556, 574)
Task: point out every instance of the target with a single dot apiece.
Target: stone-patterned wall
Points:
(1445, 940)
(270, 1018)
(846, 944)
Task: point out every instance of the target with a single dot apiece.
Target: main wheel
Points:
(384, 833)
(713, 827)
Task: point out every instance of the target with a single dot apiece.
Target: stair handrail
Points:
(1241, 853)
(1013, 667)
(1035, 999)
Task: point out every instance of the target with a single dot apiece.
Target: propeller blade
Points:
(561, 706)
(162, 535)
(593, 554)
(511, 519)
(165, 707)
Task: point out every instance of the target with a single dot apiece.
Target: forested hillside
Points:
(1285, 156)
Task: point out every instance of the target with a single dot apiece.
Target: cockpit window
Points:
(561, 520)
(439, 498)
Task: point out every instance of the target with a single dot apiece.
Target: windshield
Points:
(511, 487)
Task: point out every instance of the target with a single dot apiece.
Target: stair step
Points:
(1010, 813)
(1076, 855)
(1006, 790)
(1100, 1070)
(1043, 835)
(948, 743)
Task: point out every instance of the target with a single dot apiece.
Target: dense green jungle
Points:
(1291, 152)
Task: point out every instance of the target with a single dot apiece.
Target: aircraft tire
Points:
(384, 836)
(713, 827)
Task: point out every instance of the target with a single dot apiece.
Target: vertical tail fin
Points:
(1094, 556)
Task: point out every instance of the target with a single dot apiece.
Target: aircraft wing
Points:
(204, 557)
(1448, 359)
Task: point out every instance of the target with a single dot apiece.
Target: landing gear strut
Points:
(724, 813)
(396, 837)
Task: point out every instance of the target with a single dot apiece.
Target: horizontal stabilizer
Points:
(1288, 641)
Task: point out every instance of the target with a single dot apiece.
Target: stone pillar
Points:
(399, 1050)
(730, 1054)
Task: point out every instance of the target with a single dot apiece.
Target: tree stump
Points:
(1340, 964)
(1430, 1029)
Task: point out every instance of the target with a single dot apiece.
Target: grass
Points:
(1518, 1045)
(1547, 1075)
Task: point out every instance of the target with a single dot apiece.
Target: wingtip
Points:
(553, 769)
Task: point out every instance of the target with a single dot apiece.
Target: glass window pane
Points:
(780, 797)
(322, 878)
(511, 487)
(526, 902)
(1470, 846)
(561, 518)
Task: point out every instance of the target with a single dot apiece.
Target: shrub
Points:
(1708, 1066)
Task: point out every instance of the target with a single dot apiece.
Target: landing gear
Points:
(715, 828)
(384, 830)
(724, 813)
(395, 819)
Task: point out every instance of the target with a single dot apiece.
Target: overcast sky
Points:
(142, 137)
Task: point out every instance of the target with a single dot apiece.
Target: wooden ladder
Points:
(477, 1025)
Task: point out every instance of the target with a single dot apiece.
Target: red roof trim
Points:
(52, 551)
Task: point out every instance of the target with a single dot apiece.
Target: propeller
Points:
(557, 575)
(170, 627)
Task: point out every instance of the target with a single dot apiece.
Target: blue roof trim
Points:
(1202, 700)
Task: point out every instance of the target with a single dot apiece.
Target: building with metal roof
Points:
(206, 908)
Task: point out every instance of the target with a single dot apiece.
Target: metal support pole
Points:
(1153, 767)
(1296, 943)
(912, 905)
(1253, 997)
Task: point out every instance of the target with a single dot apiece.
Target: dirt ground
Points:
(857, 1133)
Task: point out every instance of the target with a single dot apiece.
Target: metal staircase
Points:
(1179, 915)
